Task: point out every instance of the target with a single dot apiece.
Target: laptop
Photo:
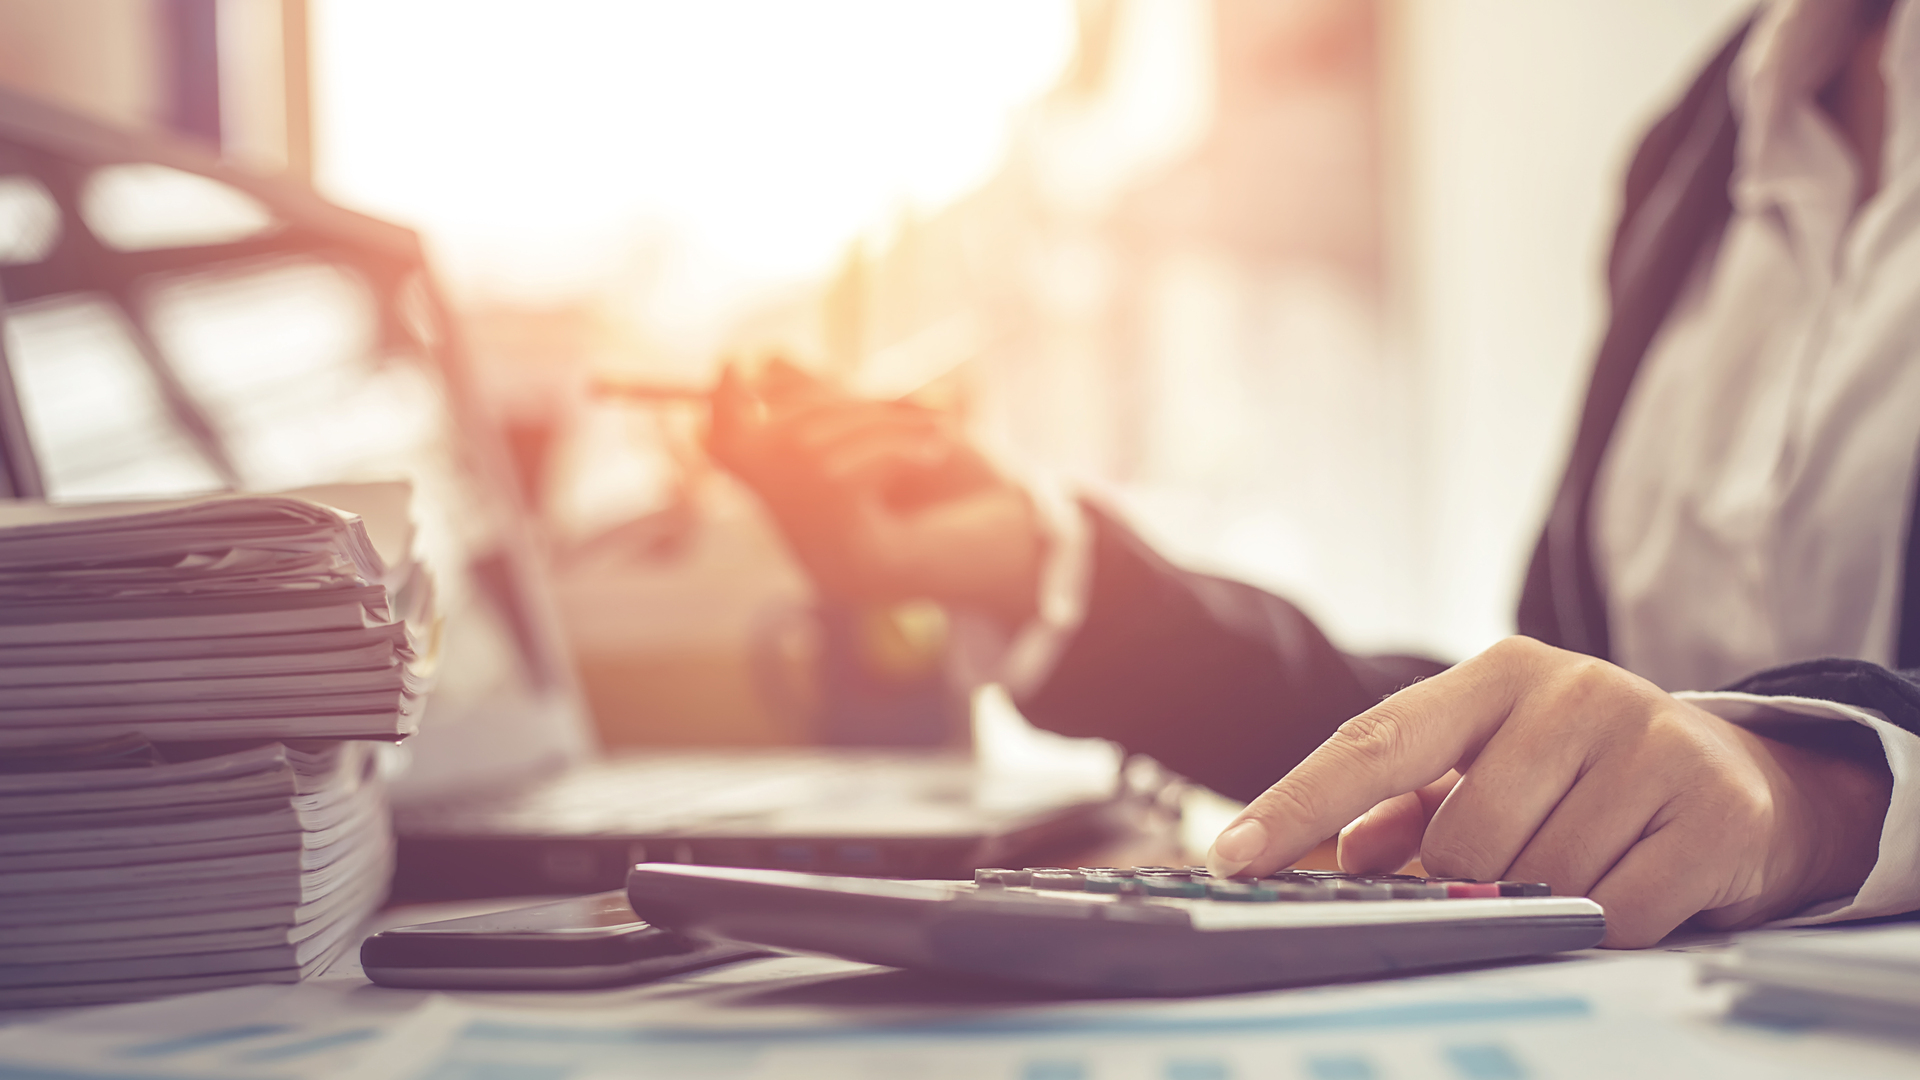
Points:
(878, 813)
(261, 338)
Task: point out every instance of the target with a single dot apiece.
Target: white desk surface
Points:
(1592, 1014)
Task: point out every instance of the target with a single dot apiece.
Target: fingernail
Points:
(1239, 845)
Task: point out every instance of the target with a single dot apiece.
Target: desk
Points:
(1593, 1014)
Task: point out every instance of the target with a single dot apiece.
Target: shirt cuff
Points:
(1893, 887)
(983, 652)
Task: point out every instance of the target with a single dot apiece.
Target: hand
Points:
(881, 501)
(1530, 763)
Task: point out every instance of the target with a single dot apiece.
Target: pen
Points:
(897, 371)
(641, 390)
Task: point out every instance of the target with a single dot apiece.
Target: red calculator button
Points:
(1462, 889)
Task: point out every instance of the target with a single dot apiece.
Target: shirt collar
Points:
(1791, 156)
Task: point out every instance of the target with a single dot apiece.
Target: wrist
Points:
(1834, 805)
(1009, 592)
(982, 552)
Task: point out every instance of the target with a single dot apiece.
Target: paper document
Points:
(1864, 976)
(1635, 1015)
(254, 1033)
(123, 882)
(223, 617)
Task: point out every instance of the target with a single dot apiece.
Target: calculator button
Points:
(1411, 888)
(1459, 890)
(1158, 871)
(1299, 893)
(1106, 871)
(1525, 888)
(1163, 885)
(1244, 891)
(1056, 878)
(1107, 883)
(993, 876)
(1360, 890)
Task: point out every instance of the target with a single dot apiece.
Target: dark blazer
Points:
(1231, 685)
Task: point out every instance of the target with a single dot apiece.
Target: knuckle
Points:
(1518, 650)
(1516, 645)
(1528, 669)
(1291, 800)
(1590, 678)
(1608, 708)
(1375, 736)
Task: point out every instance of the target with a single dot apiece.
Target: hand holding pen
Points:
(880, 500)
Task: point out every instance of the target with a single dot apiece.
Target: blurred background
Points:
(1307, 288)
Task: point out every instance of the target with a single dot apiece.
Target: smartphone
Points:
(587, 941)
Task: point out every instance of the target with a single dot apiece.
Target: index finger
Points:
(1402, 744)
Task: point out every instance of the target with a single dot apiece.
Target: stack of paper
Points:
(228, 617)
(132, 879)
(177, 811)
(1858, 976)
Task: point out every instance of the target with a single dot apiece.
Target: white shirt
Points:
(1762, 468)
(1751, 507)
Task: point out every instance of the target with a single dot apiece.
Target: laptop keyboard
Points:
(635, 798)
(1196, 883)
(672, 792)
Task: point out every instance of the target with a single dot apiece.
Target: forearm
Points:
(1217, 680)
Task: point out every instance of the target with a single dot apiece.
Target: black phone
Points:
(582, 942)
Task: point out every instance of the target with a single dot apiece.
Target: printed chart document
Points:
(1643, 1016)
(251, 1033)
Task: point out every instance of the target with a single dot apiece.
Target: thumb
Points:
(1388, 837)
(730, 409)
(782, 380)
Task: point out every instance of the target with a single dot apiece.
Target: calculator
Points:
(1124, 930)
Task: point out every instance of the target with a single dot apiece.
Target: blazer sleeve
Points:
(1219, 681)
(1893, 694)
